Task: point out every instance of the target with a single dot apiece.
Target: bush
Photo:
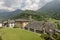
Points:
(57, 36)
(0, 27)
(45, 36)
(15, 26)
(58, 25)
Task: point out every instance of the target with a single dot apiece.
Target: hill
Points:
(18, 34)
(52, 9)
(4, 14)
(27, 13)
(51, 6)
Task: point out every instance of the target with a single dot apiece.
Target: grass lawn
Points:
(18, 34)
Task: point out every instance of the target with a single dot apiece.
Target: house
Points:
(49, 27)
(11, 23)
(41, 27)
(21, 23)
(5, 23)
(35, 26)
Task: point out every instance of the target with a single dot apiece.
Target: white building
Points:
(11, 23)
(1, 24)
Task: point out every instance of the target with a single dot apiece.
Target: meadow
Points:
(17, 34)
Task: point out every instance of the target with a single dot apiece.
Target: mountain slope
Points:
(52, 9)
(28, 13)
(51, 6)
(7, 14)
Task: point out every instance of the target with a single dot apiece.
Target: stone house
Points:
(8, 23)
(11, 23)
(41, 27)
(21, 23)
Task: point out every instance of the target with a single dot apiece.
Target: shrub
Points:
(58, 25)
(15, 26)
(57, 36)
(45, 36)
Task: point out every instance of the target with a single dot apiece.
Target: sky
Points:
(12, 5)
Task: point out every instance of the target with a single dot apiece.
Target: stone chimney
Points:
(30, 17)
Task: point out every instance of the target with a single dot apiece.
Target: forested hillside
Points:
(37, 15)
(52, 9)
(5, 14)
(34, 14)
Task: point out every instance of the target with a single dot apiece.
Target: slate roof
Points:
(39, 25)
(5, 21)
(11, 21)
(22, 20)
(49, 26)
(35, 25)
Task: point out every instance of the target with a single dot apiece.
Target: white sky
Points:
(22, 4)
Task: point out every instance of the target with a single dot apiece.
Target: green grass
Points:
(18, 34)
(53, 20)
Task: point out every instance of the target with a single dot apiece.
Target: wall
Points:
(11, 25)
(21, 24)
(25, 23)
(18, 24)
(0, 24)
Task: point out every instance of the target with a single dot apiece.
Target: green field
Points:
(18, 34)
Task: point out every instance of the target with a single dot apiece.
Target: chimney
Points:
(30, 18)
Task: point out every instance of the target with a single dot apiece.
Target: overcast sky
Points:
(22, 4)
